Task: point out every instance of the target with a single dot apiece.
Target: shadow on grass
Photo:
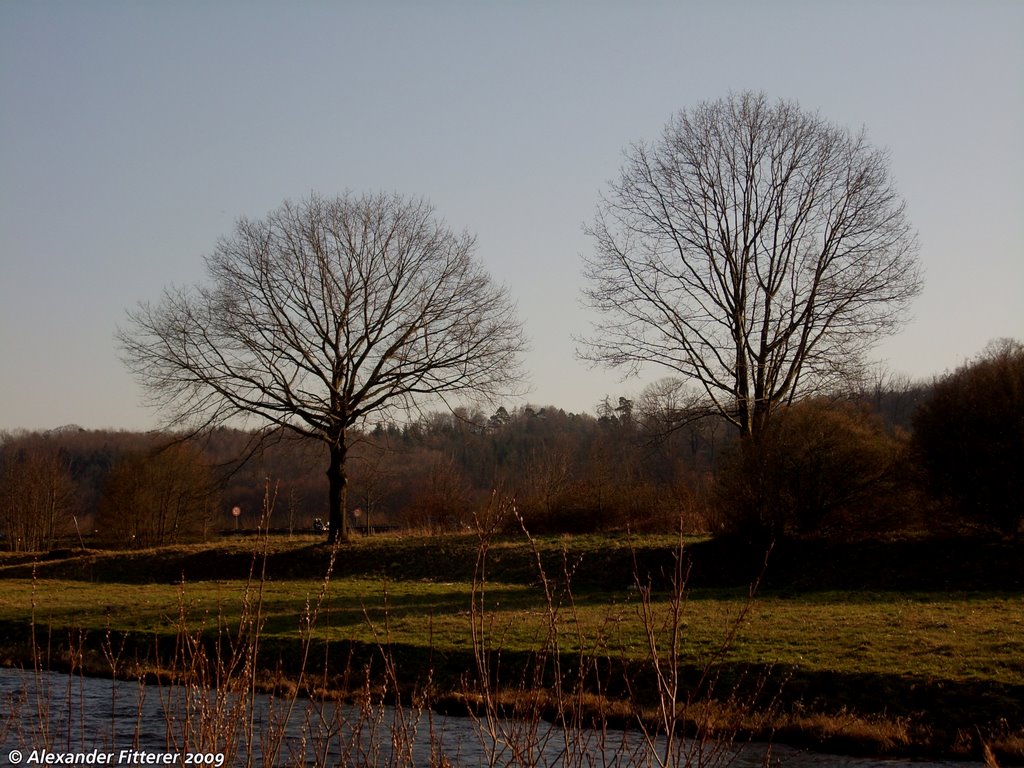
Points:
(930, 564)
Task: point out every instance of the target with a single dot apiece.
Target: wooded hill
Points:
(847, 465)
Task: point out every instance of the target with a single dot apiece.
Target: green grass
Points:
(923, 638)
(955, 637)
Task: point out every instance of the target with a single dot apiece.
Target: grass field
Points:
(948, 660)
(954, 637)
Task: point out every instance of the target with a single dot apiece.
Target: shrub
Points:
(969, 438)
(821, 468)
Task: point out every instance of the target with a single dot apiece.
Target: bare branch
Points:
(754, 248)
(323, 313)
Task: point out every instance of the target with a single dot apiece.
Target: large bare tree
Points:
(321, 314)
(755, 248)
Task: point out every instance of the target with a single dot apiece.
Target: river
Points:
(52, 718)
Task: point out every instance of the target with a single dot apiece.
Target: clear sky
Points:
(133, 134)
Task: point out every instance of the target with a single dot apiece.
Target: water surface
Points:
(71, 715)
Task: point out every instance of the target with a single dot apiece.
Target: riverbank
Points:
(898, 667)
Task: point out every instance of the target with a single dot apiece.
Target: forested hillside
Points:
(846, 465)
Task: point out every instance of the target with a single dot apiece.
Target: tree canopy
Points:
(322, 313)
(754, 248)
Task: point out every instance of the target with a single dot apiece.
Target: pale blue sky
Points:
(133, 134)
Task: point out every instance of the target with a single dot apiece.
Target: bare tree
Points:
(164, 495)
(323, 313)
(670, 410)
(37, 496)
(755, 248)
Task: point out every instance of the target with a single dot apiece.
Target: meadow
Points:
(931, 669)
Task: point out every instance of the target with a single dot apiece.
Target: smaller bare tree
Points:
(36, 497)
(156, 497)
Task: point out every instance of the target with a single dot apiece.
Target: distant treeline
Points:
(843, 465)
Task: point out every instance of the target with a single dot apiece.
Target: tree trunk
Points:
(759, 420)
(337, 524)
